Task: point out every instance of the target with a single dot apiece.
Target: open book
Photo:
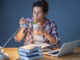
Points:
(42, 45)
(30, 46)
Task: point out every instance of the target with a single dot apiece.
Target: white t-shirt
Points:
(37, 38)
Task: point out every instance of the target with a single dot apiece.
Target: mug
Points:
(36, 27)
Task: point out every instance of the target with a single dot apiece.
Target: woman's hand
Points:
(23, 21)
(41, 32)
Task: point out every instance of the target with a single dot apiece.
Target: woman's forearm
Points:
(19, 36)
(50, 38)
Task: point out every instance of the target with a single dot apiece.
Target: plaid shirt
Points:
(49, 26)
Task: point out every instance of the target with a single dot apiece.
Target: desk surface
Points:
(13, 53)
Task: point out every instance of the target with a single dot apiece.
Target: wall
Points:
(64, 12)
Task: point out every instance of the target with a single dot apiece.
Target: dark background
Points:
(65, 13)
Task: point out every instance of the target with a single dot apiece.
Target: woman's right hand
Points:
(23, 21)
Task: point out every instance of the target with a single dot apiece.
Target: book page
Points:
(31, 46)
(43, 45)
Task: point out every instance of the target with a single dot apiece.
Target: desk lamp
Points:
(2, 55)
(5, 56)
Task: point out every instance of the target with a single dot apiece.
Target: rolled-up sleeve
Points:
(54, 33)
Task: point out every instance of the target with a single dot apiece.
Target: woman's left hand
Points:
(41, 32)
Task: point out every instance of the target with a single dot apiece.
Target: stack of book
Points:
(30, 52)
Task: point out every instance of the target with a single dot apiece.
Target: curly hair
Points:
(42, 3)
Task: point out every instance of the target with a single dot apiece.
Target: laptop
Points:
(65, 49)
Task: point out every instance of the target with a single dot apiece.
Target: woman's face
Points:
(38, 13)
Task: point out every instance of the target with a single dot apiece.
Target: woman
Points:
(47, 31)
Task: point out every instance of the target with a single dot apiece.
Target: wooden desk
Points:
(13, 53)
